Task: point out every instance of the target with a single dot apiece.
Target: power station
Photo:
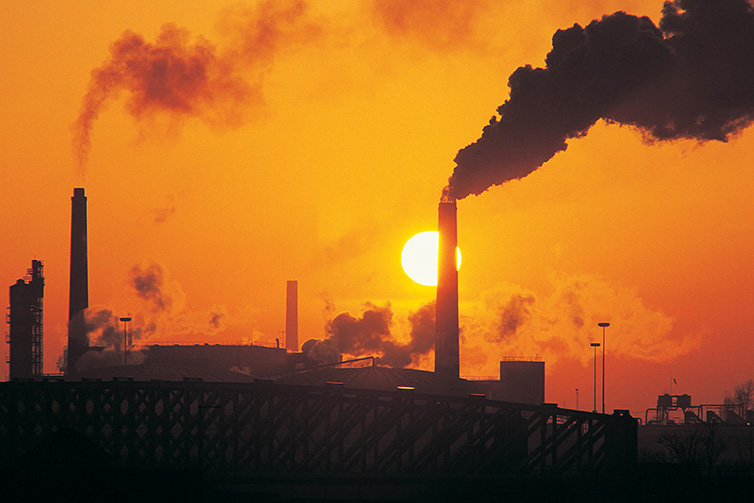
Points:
(244, 410)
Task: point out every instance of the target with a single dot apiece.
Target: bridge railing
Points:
(266, 427)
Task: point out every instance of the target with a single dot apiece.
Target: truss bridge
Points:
(264, 427)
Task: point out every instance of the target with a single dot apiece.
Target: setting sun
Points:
(419, 258)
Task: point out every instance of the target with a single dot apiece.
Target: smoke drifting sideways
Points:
(184, 79)
(691, 78)
(370, 335)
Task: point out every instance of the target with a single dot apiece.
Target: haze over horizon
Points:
(226, 148)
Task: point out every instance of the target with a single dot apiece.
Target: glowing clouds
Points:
(512, 321)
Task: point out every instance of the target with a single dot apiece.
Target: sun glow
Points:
(419, 258)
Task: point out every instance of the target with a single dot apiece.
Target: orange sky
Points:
(336, 154)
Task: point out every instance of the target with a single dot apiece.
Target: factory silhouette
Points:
(253, 411)
(220, 422)
(217, 422)
(207, 421)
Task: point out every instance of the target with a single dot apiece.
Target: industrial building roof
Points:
(380, 378)
(164, 372)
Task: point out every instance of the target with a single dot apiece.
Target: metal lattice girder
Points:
(264, 427)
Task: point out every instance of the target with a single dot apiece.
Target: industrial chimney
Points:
(291, 316)
(446, 319)
(78, 297)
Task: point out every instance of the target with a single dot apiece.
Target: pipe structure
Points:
(78, 295)
(446, 319)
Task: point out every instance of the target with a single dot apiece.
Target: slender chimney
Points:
(78, 297)
(291, 316)
(446, 319)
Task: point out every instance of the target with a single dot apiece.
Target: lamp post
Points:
(595, 345)
(577, 398)
(604, 325)
(125, 320)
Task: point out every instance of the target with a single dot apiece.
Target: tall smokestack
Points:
(291, 316)
(446, 319)
(78, 297)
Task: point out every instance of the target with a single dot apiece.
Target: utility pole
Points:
(595, 345)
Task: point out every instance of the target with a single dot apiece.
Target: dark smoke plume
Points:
(691, 78)
(370, 335)
(192, 79)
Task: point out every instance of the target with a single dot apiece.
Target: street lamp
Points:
(577, 398)
(125, 320)
(595, 345)
(604, 325)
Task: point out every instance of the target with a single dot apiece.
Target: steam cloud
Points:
(148, 283)
(370, 335)
(512, 321)
(163, 316)
(166, 316)
(104, 330)
(193, 79)
(692, 78)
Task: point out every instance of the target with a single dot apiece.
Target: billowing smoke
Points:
(692, 78)
(161, 317)
(370, 335)
(166, 316)
(105, 333)
(512, 321)
(148, 283)
(514, 314)
(184, 78)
